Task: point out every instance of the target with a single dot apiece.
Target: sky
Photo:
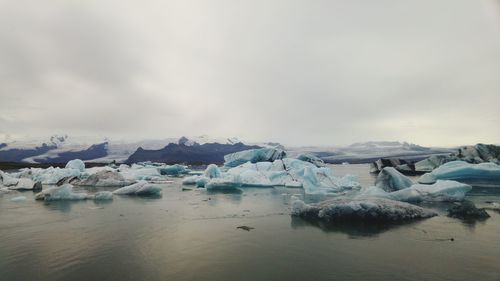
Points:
(296, 72)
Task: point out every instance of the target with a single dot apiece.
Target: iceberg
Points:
(389, 179)
(140, 172)
(52, 175)
(141, 188)
(106, 179)
(103, 196)
(63, 192)
(212, 171)
(463, 171)
(431, 163)
(441, 191)
(365, 209)
(307, 157)
(76, 164)
(173, 170)
(467, 211)
(253, 156)
(199, 181)
(223, 184)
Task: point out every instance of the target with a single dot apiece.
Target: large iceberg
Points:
(253, 156)
(463, 171)
(141, 188)
(365, 209)
(441, 191)
(389, 179)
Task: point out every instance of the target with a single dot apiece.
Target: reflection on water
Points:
(352, 229)
(193, 235)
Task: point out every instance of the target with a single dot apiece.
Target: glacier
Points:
(463, 171)
(364, 209)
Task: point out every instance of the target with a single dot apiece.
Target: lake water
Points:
(193, 235)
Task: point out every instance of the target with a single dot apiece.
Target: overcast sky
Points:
(297, 72)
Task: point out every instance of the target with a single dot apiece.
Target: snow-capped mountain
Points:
(366, 152)
(62, 148)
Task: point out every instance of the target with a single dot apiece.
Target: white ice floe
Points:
(364, 209)
(459, 170)
(141, 188)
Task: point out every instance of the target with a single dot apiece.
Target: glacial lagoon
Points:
(193, 234)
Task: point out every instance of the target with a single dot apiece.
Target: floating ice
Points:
(223, 184)
(389, 179)
(365, 209)
(141, 188)
(173, 170)
(18, 199)
(311, 159)
(105, 178)
(459, 170)
(212, 171)
(103, 195)
(141, 172)
(52, 175)
(441, 191)
(63, 192)
(253, 156)
(76, 164)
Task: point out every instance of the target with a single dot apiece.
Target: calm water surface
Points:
(192, 235)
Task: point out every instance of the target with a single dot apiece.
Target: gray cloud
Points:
(298, 72)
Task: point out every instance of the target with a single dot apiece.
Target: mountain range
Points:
(192, 150)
